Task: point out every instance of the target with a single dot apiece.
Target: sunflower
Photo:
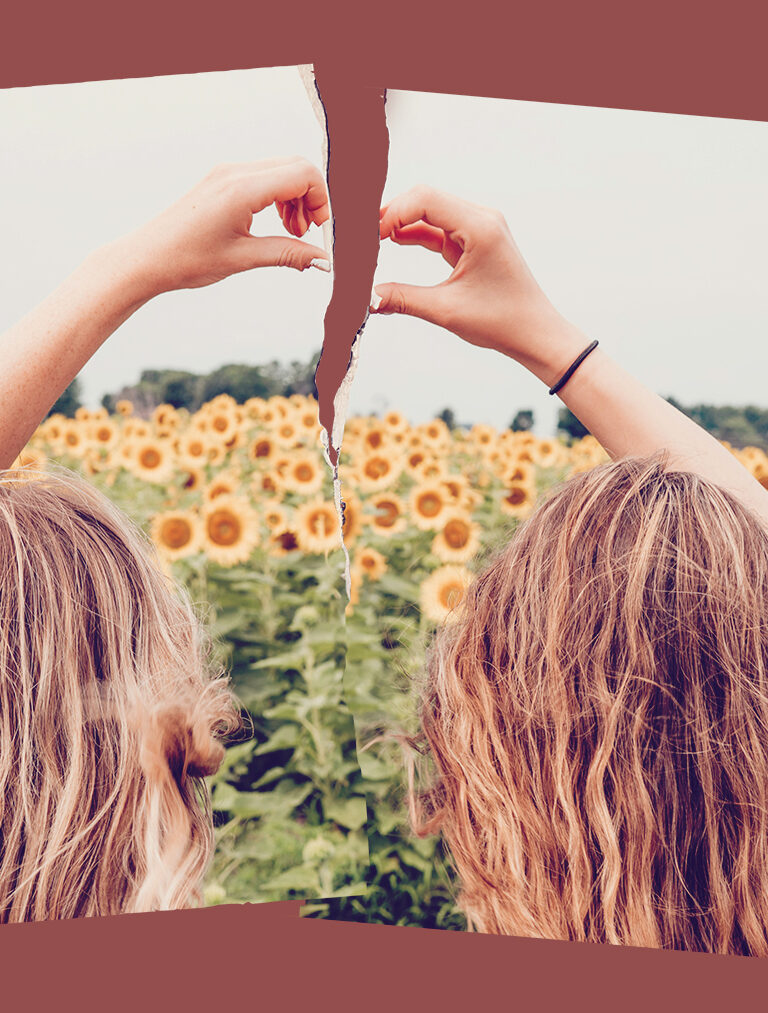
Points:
(235, 441)
(283, 541)
(124, 406)
(753, 459)
(254, 407)
(428, 504)
(176, 533)
(222, 422)
(271, 482)
(270, 416)
(165, 415)
(443, 590)
(307, 419)
(370, 563)
(376, 438)
(458, 539)
(51, 429)
(483, 438)
(456, 486)
(317, 527)
(121, 455)
(262, 448)
(388, 517)
(432, 470)
(516, 471)
(354, 429)
(518, 499)
(74, 439)
(224, 484)
(435, 434)
(415, 459)
(548, 453)
(152, 460)
(281, 406)
(287, 432)
(217, 452)
(352, 512)
(137, 429)
(525, 454)
(230, 530)
(395, 422)
(378, 471)
(104, 433)
(192, 479)
(83, 414)
(303, 474)
(93, 462)
(224, 402)
(355, 582)
(274, 515)
(31, 459)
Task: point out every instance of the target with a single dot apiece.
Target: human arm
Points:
(491, 299)
(199, 240)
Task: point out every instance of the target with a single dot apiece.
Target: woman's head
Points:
(598, 720)
(108, 713)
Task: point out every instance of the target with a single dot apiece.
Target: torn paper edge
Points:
(342, 395)
(307, 74)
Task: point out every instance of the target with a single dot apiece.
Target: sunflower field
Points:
(238, 501)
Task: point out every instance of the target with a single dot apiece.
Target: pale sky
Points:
(647, 230)
(81, 164)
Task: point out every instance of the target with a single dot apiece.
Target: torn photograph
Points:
(172, 727)
(556, 475)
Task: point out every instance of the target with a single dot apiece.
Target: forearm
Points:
(629, 419)
(43, 352)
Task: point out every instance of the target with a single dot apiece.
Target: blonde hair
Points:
(109, 714)
(597, 720)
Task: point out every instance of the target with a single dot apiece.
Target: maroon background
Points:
(672, 57)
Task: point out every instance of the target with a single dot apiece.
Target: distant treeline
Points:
(183, 389)
(740, 426)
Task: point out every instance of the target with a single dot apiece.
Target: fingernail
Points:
(375, 300)
(320, 264)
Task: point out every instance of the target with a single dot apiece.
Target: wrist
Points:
(121, 267)
(551, 345)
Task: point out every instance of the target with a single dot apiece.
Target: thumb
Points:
(421, 301)
(281, 251)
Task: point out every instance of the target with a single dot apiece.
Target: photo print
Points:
(173, 727)
(556, 465)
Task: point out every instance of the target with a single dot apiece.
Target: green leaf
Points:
(349, 812)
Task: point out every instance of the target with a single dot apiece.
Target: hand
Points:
(205, 236)
(490, 299)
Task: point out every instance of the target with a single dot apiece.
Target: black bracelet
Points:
(573, 367)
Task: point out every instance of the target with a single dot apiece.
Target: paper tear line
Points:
(342, 395)
(307, 74)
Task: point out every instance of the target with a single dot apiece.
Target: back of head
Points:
(598, 718)
(108, 714)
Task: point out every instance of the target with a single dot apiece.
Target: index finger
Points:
(290, 181)
(423, 204)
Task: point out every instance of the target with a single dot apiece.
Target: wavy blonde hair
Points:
(109, 712)
(597, 720)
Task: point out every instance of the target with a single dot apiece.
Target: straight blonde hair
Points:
(597, 720)
(109, 712)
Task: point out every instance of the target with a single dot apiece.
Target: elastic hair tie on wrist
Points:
(573, 367)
